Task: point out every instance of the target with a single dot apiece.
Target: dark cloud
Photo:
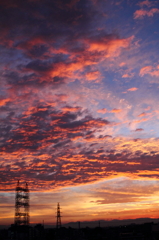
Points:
(39, 66)
(17, 80)
(46, 19)
(139, 129)
(32, 130)
(38, 50)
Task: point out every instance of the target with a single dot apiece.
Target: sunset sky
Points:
(79, 108)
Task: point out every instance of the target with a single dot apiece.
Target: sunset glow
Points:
(79, 108)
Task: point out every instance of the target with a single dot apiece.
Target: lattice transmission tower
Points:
(22, 205)
(58, 222)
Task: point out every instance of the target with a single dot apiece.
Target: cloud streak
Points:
(142, 13)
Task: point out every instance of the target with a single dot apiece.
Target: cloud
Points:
(39, 66)
(145, 3)
(56, 46)
(119, 187)
(55, 142)
(132, 89)
(4, 101)
(91, 76)
(122, 64)
(115, 110)
(38, 132)
(152, 71)
(126, 75)
(142, 114)
(103, 110)
(139, 129)
(71, 109)
(139, 14)
(109, 46)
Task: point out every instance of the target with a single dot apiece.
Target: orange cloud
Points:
(142, 114)
(141, 120)
(4, 101)
(94, 53)
(111, 48)
(72, 70)
(132, 89)
(103, 110)
(115, 110)
(141, 13)
(71, 109)
(93, 75)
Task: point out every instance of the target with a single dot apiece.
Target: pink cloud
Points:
(126, 75)
(145, 70)
(141, 120)
(122, 64)
(148, 108)
(154, 72)
(145, 3)
(103, 110)
(142, 13)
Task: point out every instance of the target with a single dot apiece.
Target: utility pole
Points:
(58, 222)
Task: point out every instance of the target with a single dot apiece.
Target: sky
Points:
(79, 108)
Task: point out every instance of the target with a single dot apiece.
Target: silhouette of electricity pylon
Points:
(58, 221)
(22, 205)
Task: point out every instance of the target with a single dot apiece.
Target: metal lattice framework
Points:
(58, 222)
(22, 205)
